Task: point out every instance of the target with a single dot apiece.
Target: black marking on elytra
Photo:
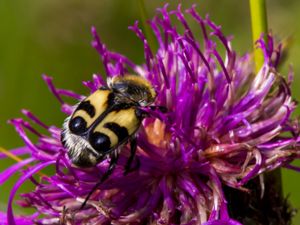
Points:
(87, 107)
(100, 142)
(122, 106)
(121, 132)
(78, 125)
(110, 99)
(112, 108)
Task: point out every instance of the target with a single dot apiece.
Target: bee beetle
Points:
(106, 120)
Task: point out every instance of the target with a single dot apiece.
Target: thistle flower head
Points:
(224, 126)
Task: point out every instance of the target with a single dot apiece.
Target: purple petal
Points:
(18, 151)
(10, 217)
(22, 220)
(222, 222)
(6, 174)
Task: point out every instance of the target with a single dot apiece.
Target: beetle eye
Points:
(77, 125)
(100, 142)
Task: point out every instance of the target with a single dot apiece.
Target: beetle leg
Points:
(133, 147)
(112, 164)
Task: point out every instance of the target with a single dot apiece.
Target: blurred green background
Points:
(53, 37)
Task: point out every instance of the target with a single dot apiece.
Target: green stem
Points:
(259, 26)
(144, 17)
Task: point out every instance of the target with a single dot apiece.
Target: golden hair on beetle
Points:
(138, 87)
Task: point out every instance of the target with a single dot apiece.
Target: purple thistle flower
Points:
(225, 125)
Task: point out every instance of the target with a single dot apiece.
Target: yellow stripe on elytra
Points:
(112, 136)
(124, 118)
(85, 116)
(99, 100)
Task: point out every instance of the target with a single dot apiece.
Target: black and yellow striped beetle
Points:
(106, 120)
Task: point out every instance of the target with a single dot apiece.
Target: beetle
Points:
(106, 120)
